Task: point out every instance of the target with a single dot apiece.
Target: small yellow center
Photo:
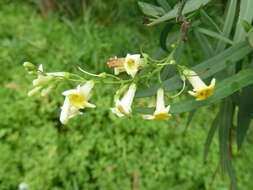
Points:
(204, 93)
(162, 116)
(121, 109)
(131, 64)
(77, 99)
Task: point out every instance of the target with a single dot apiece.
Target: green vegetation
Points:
(96, 150)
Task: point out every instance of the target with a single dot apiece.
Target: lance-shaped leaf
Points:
(250, 37)
(225, 125)
(164, 4)
(228, 25)
(245, 113)
(244, 15)
(151, 10)
(206, 46)
(212, 66)
(215, 35)
(210, 136)
(190, 6)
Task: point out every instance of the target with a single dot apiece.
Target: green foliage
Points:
(96, 151)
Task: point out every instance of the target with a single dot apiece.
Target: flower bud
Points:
(102, 75)
(46, 91)
(42, 80)
(29, 67)
(34, 91)
(172, 62)
(59, 74)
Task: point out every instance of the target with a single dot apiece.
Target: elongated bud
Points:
(43, 80)
(29, 67)
(46, 91)
(59, 74)
(34, 91)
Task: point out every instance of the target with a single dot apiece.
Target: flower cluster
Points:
(77, 99)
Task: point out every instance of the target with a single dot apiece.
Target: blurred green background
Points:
(96, 150)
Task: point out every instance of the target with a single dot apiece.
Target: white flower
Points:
(123, 106)
(200, 90)
(22, 186)
(161, 112)
(68, 111)
(76, 99)
(131, 64)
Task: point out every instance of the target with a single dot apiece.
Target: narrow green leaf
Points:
(205, 44)
(163, 36)
(245, 14)
(164, 4)
(190, 6)
(168, 71)
(228, 25)
(250, 37)
(210, 136)
(213, 65)
(215, 35)
(190, 117)
(245, 114)
(225, 125)
(224, 129)
(151, 10)
(210, 20)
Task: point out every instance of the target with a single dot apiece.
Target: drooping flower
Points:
(76, 99)
(200, 90)
(161, 112)
(131, 64)
(123, 106)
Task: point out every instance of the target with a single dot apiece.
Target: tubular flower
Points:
(161, 112)
(131, 64)
(75, 100)
(200, 90)
(123, 106)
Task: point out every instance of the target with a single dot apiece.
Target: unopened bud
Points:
(46, 91)
(102, 75)
(42, 80)
(59, 74)
(172, 62)
(29, 67)
(34, 91)
(173, 46)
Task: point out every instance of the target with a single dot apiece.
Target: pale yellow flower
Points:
(131, 64)
(162, 111)
(200, 90)
(123, 106)
(76, 99)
